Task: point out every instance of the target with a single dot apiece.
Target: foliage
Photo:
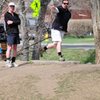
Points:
(90, 57)
(72, 55)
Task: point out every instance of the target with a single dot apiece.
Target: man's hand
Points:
(54, 8)
(9, 22)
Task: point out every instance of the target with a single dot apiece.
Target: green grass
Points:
(73, 40)
(78, 40)
(71, 55)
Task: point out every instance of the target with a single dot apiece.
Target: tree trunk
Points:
(1, 5)
(40, 26)
(24, 33)
(96, 26)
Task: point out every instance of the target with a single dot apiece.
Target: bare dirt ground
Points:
(50, 81)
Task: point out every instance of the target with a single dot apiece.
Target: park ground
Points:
(50, 80)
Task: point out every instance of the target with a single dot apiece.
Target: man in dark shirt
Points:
(59, 26)
(12, 21)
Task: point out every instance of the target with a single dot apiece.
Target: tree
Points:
(40, 26)
(1, 5)
(24, 31)
(96, 26)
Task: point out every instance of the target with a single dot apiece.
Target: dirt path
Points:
(42, 81)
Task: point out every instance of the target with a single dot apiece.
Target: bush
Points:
(80, 28)
(90, 57)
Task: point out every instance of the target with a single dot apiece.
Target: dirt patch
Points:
(54, 81)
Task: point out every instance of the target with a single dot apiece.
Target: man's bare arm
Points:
(54, 8)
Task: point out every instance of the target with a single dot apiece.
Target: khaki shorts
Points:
(57, 35)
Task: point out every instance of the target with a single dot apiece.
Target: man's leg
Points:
(58, 48)
(54, 37)
(59, 51)
(14, 50)
(51, 45)
(14, 55)
(8, 52)
(8, 55)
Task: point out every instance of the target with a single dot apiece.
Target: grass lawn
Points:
(78, 40)
(73, 40)
(84, 56)
(71, 55)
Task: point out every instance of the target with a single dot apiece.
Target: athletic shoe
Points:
(8, 64)
(61, 59)
(14, 64)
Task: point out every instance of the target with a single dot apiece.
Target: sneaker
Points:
(8, 64)
(61, 59)
(14, 64)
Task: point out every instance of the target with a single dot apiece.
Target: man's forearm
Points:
(54, 8)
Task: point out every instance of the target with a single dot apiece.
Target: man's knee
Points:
(14, 47)
(9, 47)
(55, 43)
(59, 42)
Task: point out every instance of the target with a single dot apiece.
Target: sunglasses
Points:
(12, 6)
(65, 3)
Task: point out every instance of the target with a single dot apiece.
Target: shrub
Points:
(90, 57)
(80, 28)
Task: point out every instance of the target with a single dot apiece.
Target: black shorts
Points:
(13, 39)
